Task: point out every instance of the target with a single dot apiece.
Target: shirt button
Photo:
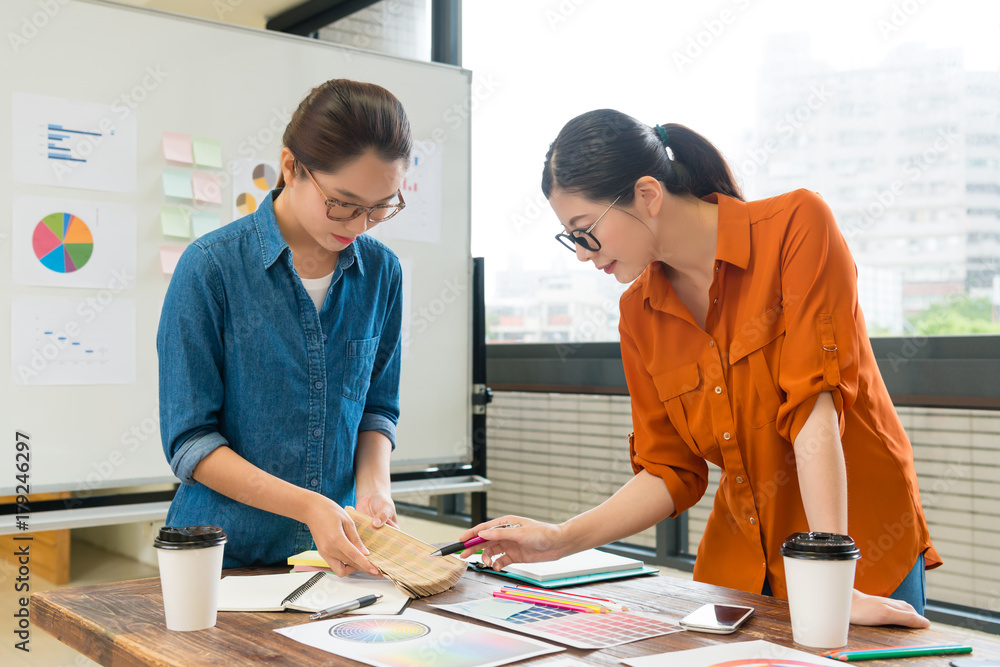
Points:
(726, 436)
(324, 338)
(711, 343)
(739, 480)
(317, 433)
(319, 385)
(752, 520)
(716, 269)
(315, 482)
(718, 390)
(715, 301)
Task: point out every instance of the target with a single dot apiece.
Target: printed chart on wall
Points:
(69, 341)
(73, 144)
(421, 190)
(73, 243)
(416, 637)
(252, 180)
(757, 653)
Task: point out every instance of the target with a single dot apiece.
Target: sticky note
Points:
(175, 222)
(169, 255)
(177, 183)
(207, 187)
(177, 147)
(204, 222)
(207, 152)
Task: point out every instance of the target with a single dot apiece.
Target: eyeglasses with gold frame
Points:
(341, 211)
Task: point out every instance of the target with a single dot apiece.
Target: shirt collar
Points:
(272, 242)
(733, 242)
(732, 245)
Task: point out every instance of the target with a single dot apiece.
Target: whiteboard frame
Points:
(438, 373)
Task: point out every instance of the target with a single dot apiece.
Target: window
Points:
(900, 132)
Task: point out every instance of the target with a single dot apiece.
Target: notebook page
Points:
(262, 592)
(335, 590)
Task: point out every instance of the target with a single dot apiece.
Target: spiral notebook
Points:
(307, 591)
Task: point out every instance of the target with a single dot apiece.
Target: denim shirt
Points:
(246, 361)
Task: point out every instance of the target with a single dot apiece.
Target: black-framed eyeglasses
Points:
(583, 237)
(345, 211)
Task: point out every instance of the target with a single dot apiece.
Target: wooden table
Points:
(122, 624)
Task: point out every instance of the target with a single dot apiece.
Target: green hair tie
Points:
(664, 137)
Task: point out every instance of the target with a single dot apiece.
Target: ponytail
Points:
(602, 153)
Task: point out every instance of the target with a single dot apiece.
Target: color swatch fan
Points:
(407, 561)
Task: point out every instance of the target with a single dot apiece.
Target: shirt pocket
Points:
(754, 356)
(358, 365)
(676, 389)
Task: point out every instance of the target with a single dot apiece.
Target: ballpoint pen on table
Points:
(345, 606)
(459, 546)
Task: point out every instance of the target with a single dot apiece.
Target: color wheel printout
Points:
(416, 638)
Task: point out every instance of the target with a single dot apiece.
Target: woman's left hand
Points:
(874, 610)
(379, 507)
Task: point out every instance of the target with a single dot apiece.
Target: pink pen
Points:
(461, 546)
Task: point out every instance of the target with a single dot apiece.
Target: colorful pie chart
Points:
(245, 203)
(264, 176)
(62, 242)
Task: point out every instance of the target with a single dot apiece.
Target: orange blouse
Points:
(783, 326)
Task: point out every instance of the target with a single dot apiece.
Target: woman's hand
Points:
(336, 538)
(534, 541)
(874, 610)
(380, 508)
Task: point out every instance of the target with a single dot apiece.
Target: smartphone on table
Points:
(716, 618)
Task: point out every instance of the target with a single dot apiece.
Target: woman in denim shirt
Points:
(279, 344)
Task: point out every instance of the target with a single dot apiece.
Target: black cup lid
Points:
(820, 546)
(190, 536)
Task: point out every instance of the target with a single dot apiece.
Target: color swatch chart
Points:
(62, 242)
(572, 628)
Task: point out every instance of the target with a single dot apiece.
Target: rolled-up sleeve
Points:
(822, 319)
(654, 444)
(381, 411)
(189, 346)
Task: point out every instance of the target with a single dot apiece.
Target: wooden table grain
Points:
(122, 624)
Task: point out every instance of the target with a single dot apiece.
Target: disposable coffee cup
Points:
(819, 573)
(190, 561)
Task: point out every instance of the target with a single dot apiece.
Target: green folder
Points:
(569, 581)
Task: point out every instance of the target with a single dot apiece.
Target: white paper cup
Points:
(819, 573)
(190, 562)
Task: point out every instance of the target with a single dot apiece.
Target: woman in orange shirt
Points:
(744, 346)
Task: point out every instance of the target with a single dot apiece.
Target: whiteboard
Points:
(160, 72)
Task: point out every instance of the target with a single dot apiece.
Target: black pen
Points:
(344, 606)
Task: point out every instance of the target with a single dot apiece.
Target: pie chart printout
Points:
(264, 177)
(62, 242)
(245, 203)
